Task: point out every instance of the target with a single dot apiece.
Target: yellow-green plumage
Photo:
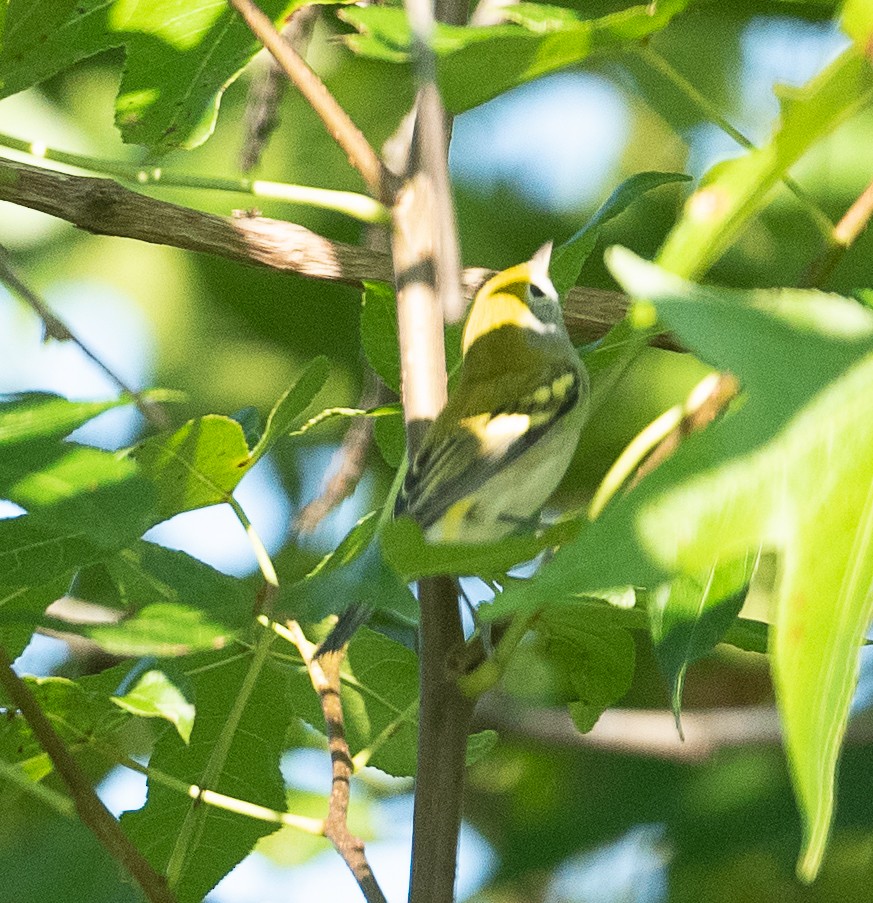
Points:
(505, 438)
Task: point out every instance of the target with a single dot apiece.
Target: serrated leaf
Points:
(199, 464)
(476, 64)
(379, 332)
(380, 701)
(202, 462)
(154, 695)
(174, 604)
(234, 749)
(788, 472)
(181, 55)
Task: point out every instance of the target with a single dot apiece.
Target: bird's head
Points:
(522, 296)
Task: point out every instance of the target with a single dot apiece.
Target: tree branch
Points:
(59, 331)
(268, 88)
(104, 207)
(339, 125)
(91, 810)
(853, 222)
(324, 673)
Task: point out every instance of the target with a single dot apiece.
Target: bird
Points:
(490, 460)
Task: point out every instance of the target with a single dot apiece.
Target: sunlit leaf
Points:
(735, 190)
(476, 64)
(789, 472)
(154, 695)
(181, 55)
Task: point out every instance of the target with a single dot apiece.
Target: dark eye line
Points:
(536, 291)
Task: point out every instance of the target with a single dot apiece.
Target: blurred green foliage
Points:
(231, 337)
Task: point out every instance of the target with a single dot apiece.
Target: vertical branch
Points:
(324, 673)
(91, 810)
(268, 88)
(427, 276)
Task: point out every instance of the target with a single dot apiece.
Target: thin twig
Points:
(846, 231)
(660, 439)
(324, 673)
(350, 461)
(268, 88)
(711, 112)
(337, 122)
(358, 206)
(91, 810)
(58, 330)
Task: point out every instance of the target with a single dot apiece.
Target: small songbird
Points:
(504, 440)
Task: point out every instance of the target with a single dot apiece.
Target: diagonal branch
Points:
(338, 123)
(59, 331)
(324, 673)
(88, 805)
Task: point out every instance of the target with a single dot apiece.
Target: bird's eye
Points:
(536, 291)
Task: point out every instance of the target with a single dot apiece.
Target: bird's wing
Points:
(470, 442)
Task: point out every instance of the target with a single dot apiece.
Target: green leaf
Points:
(198, 465)
(690, 617)
(202, 462)
(596, 663)
(173, 603)
(353, 545)
(569, 257)
(380, 701)
(41, 415)
(476, 64)
(21, 610)
(479, 745)
(390, 435)
(80, 716)
(292, 410)
(234, 749)
(734, 191)
(379, 332)
(788, 472)
(78, 486)
(154, 695)
(181, 55)
(413, 557)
